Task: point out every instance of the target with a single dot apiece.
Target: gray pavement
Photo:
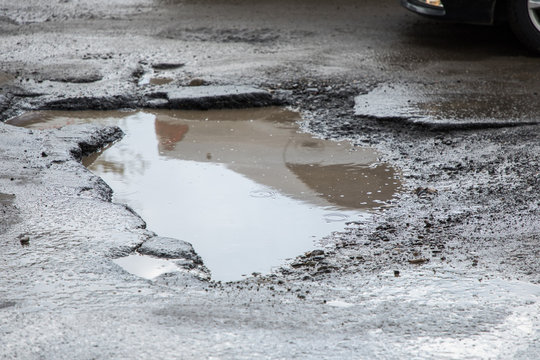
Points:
(452, 106)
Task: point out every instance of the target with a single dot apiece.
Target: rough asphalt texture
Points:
(451, 271)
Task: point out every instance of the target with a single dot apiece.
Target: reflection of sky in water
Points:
(146, 266)
(246, 194)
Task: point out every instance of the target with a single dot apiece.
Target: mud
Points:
(463, 236)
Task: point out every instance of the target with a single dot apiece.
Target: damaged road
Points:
(451, 270)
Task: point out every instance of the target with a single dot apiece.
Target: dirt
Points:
(463, 236)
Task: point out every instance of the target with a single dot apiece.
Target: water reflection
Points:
(348, 186)
(273, 153)
(245, 187)
(146, 266)
(169, 134)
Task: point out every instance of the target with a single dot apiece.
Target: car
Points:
(522, 15)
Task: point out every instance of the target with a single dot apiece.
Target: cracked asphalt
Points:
(450, 271)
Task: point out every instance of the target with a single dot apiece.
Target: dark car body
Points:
(523, 16)
(469, 11)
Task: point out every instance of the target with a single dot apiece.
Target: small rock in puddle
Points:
(245, 187)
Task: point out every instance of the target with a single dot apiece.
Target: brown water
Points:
(245, 187)
(160, 81)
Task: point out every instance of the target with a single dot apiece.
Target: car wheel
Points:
(524, 16)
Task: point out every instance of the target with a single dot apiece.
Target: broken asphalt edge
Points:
(82, 140)
(444, 126)
(406, 105)
(184, 98)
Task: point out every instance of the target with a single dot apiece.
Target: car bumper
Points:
(423, 9)
(467, 11)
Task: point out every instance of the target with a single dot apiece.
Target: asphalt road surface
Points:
(450, 271)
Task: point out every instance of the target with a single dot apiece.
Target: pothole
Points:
(245, 187)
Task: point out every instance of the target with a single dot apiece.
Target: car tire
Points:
(524, 17)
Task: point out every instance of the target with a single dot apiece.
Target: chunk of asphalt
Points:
(169, 97)
(218, 97)
(447, 108)
(169, 248)
(88, 137)
(112, 102)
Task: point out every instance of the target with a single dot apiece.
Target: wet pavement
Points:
(452, 107)
(450, 270)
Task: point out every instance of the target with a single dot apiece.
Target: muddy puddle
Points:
(245, 187)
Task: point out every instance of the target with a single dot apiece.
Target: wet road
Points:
(372, 44)
(451, 271)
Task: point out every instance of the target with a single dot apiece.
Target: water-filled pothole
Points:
(245, 187)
